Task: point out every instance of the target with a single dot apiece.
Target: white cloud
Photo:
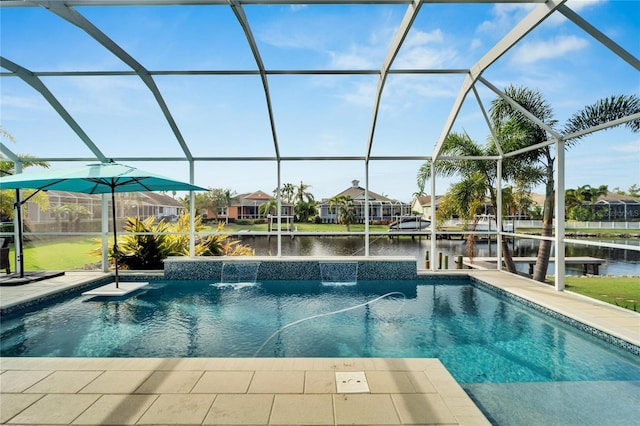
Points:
(418, 38)
(533, 51)
(577, 5)
(427, 58)
(476, 44)
(425, 50)
(361, 93)
(357, 57)
(504, 17)
(632, 147)
(24, 102)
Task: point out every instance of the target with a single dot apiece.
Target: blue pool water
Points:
(498, 349)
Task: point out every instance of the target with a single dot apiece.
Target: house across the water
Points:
(381, 208)
(247, 206)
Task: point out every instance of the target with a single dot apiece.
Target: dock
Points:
(587, 263)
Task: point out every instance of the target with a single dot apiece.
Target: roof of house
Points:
(160, 199)
(425, 200)
(250, 198)
(356, 192)
(151, 198)
(615, 198)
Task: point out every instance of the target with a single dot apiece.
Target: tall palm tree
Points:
(228, 197)
(302, 194)
(305, 205)
(461, 145)
(512, 126)
(288, 190)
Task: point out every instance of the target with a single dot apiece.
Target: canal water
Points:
(618, 262)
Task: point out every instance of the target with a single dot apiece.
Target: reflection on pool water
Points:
(490, 344)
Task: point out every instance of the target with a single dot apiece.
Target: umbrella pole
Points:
(115, 234)
(18, 244)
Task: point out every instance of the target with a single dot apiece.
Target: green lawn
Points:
(65, 253)
(620, 291)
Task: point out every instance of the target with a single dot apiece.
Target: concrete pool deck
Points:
(259, 391)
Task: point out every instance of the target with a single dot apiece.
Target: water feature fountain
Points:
(238, 274)
(338, 273)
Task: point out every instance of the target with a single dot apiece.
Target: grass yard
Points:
(61, 254)
(620, 291)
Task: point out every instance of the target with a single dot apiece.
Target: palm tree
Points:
(57, 212)
(305, 205)
(305, 210)
(465, 199)
(287, 192)
(594, 194)
(75, 213)
(302, 194)
(512, 126)
(572, 199)
(345, 209)
(265, 209)
(228, 197)
(462, 145)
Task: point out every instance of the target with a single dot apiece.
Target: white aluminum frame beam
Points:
(244, 23)
(601, 37)
(23, 3)
(524, 27)
(33, 81)
(401, 34)
(74, 17)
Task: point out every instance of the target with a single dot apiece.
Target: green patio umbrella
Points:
(98, 178)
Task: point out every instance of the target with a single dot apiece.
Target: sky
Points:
(320, 116)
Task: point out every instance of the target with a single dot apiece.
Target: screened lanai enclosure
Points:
(251, 95)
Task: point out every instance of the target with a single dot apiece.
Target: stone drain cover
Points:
(351, 382)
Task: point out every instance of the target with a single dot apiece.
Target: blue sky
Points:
(315, 115)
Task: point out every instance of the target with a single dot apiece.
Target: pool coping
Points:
(613, 324)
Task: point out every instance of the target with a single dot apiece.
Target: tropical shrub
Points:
(146, 243)
(146, 251)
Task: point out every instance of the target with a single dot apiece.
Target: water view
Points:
(619, 262)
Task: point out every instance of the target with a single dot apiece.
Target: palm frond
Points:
(604, 111)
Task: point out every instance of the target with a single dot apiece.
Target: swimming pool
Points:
(499, 350)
